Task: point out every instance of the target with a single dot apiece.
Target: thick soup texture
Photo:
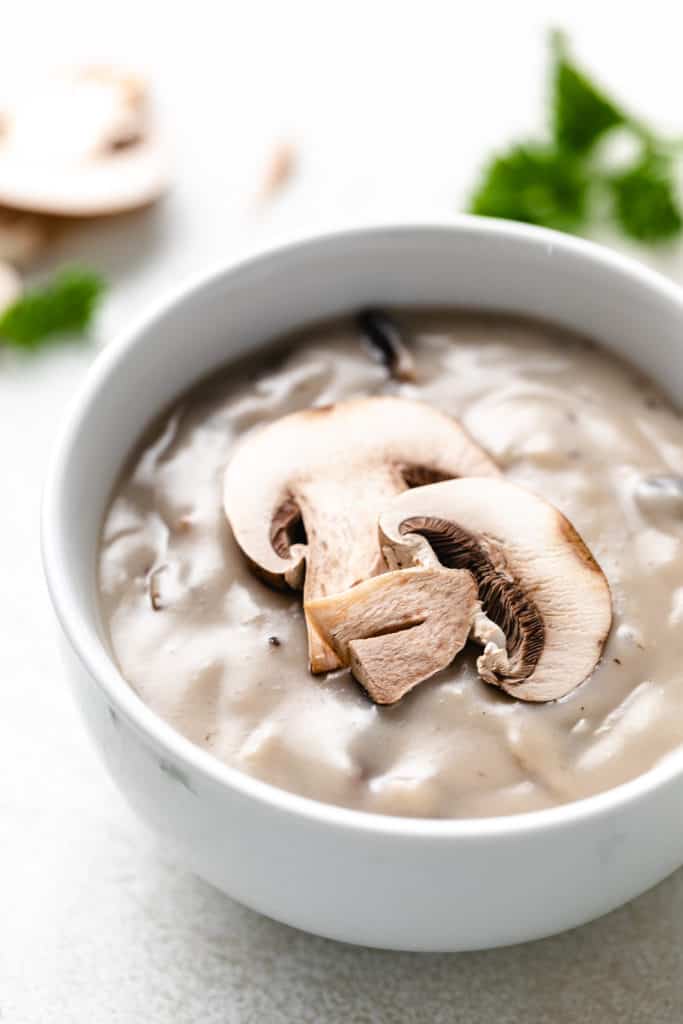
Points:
(223, 658)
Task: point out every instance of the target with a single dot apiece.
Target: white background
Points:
(393, 106)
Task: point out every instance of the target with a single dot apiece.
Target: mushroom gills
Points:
(510, 627)
(304, 493)
(546, 607)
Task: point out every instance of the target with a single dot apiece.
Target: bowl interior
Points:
(491, 265)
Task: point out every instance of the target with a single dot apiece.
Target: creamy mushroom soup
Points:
(224, 658)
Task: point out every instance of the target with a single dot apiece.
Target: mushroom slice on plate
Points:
(546, 606)
(10, 286)
(398, 629)
(303, 494)
(79, 144)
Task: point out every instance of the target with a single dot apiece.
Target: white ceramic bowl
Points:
(382, 881)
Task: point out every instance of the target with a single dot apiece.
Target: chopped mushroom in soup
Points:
(334, 468)
(539, 603)
(446, 508)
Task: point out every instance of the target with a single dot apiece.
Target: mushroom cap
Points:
(400, 628)
(537, 580)
(10, 286)
(333, 469)
(78, 144)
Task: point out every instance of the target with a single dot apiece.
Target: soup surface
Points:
(222, 657)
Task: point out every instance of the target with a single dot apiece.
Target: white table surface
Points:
(393, 106)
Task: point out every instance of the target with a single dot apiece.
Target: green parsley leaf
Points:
(536, 184)
(580, 112)
(560, 183)
(63, 306)
(645, 203)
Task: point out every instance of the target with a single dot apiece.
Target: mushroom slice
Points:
(79, 144)
(546, 603)
(386, 342)
(10, 286)
(306, 491)
(398, 629)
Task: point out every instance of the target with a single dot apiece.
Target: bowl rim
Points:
(99, 664)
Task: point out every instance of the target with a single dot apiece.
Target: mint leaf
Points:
(645, 203)
(63, 306)
(536, 184)
(580, 112)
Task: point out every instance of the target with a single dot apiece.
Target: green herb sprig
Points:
(65, 305)
(564, 182)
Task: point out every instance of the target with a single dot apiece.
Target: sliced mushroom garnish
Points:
(306, 491)
(546, 606)
(80, 144)
(10, 286)
(386, 342)
(400, 628)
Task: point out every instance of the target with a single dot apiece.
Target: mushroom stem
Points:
(545, 604)
(398, 629)
(340, 521)
(332, 470)
(514, 645)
